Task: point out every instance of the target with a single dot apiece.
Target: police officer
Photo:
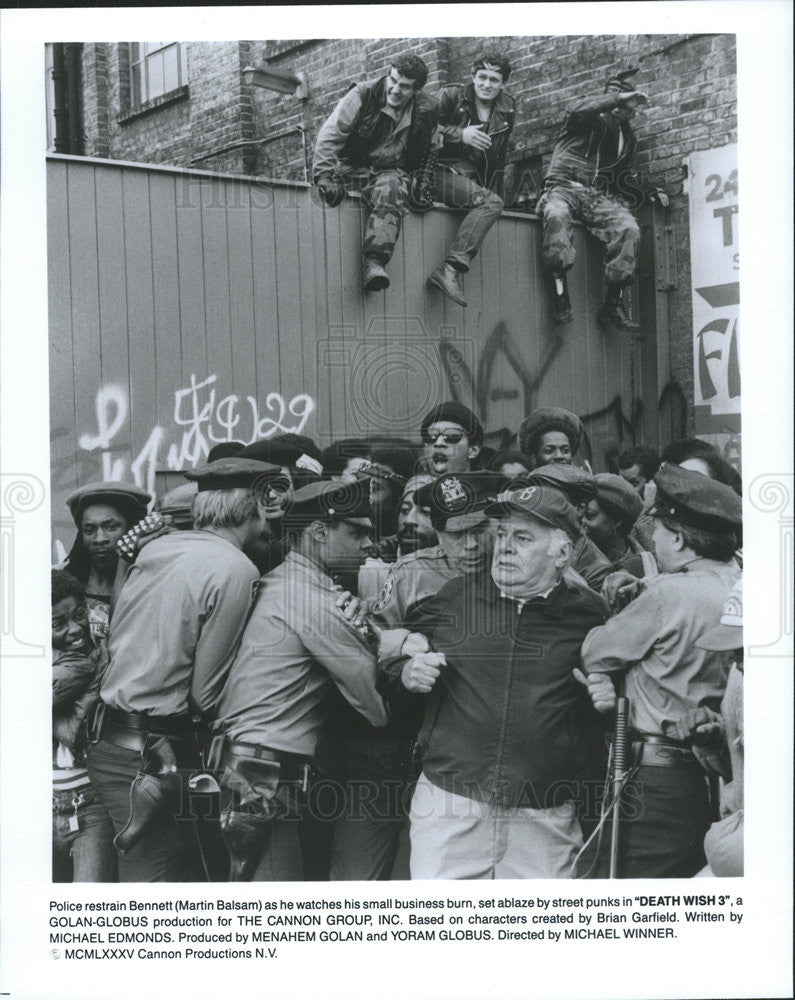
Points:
(296, 649)
(378, 763)
(175, 629)
(651, 643)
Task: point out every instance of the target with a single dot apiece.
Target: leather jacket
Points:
(359, 134)
(457, 111)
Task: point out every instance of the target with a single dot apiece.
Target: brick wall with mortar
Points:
(691, 82)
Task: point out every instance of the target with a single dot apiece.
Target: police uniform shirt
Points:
(177, 623)
(413, 578)
(295, 645)
(653, 640)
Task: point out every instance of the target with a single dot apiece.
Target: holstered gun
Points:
(247, 821)
(154, 792)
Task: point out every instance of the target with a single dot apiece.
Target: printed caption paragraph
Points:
(272, 929)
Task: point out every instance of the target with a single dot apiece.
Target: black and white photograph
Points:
(399, 464)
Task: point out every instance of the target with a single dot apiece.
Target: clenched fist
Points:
(420, 673)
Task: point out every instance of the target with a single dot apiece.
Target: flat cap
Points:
(695, 500)
(422, 479)
(577, 484)
(540, 502)
(233, 473)
(728, 634)
(455, 413)
(458, 500)
(618, 493)
(331, 501)
(127, 498)
(549, 418)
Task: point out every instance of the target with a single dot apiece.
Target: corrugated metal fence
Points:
(188, 308)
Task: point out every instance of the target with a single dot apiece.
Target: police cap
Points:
(233, 473)
(539, 502)
(694, 500)
(130, 500)
(332, 501)
(457, 500)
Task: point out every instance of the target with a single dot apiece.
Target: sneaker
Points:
(449, 281)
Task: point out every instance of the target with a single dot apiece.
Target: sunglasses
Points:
(450, 437)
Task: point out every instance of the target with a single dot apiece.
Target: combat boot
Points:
(561, 305)
(374, 276)
(612, 312)
(449, 281)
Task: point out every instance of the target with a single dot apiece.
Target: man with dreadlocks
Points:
(590, 180)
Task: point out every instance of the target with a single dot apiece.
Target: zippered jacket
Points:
(457, 111)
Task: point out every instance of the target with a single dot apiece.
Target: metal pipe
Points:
(244, 143)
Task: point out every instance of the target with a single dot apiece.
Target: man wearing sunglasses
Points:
(452, 437)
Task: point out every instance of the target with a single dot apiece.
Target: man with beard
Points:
(452, 437)
(375, 766)
(103, 512)
(414, 532)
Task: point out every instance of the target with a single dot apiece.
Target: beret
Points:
(232, 474)
(616, 491)
(549, 418)
(128, 498)
(577, 484)
(456, 413)
(290, 450)
(696, 500)
(540, 502)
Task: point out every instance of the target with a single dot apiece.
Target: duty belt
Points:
(130, 729)
(649, 750)
(294, 769)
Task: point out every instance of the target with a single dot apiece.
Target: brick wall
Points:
(691, 82)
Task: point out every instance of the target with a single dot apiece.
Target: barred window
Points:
(156, 68)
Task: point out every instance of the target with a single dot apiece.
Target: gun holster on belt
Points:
(154, 792)
(246, 822)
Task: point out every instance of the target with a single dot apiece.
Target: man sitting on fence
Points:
(378, 133)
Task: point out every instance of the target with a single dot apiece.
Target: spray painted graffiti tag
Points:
(204, 419)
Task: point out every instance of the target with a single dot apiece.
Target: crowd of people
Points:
(394, 658)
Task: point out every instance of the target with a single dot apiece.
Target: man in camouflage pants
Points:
(590, 180)
(376, 136)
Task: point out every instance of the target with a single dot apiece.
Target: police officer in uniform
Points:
(652, 644)
(297, 648)
(175, 628)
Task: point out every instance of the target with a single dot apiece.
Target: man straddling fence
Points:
(590, 179)
(475, 123)
(379, 132)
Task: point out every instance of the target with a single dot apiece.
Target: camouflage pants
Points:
(385, 193)
(604, 217)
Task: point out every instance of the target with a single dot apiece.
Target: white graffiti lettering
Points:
(200, 421)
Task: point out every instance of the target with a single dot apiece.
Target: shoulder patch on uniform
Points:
(386, 592)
